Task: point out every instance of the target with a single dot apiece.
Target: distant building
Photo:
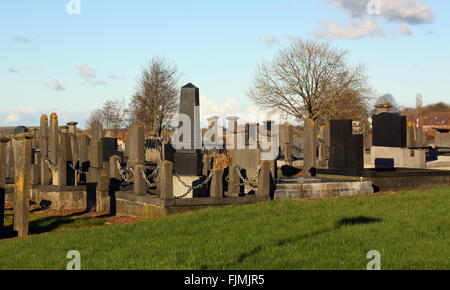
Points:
(430, 122)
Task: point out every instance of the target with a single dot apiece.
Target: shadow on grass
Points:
(51, 223)
(345, 222)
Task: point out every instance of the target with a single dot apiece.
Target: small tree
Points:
(113, 114)
(310, 80)
(389, 99)
(156, 98)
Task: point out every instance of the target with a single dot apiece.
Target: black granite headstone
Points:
(389, 130)
(341, 140)
(346, 149)
(356, 153)
(110, 148)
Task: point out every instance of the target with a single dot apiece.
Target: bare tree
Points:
(95, 117)
(310, 80)
(113, 114)
(156, 98)
(388, 99)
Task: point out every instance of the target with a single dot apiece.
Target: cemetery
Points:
(58, 168)
(206, 136)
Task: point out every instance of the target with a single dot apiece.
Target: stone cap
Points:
(189, 86)
(72, 123)
(23, 136)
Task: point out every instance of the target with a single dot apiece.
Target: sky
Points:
(58, 58)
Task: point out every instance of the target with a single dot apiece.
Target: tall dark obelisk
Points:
(188, 161)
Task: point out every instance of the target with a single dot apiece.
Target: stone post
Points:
(234, 188)
(232, 129)
(135, 145)
(22, 153)
(36, 168)
(3, 142)
(264, 179)
(206, 164)
(72, 127)
(309, 147)
(166, 181)
(324, 146)
(97, 131)
(53, 145)
(114, 173)
(140, 186)
(216, 189)
(43, 145)
(96, 161)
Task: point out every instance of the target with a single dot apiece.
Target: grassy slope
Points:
(411, 230)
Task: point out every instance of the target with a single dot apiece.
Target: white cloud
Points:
(357, 29)
(55, 85)
(85, 71)
(116, 77)
(407, 11)
(97, 83)
(21, 39)
(405, 30)
(270, 39)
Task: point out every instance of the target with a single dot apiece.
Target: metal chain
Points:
(251, 182)
(191, 188)
(152, 175)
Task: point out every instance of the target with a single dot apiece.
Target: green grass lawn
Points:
(411, 231)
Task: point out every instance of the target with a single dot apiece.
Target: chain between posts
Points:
(124, 172)
(250, 182)
(191, 188)
(150, 176)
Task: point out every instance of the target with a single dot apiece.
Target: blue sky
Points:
(54, 61)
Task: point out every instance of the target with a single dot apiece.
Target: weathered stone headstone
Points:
(95, 161)
(53, 138)
(189, 161)
(135, 145)
(3, 142)
(22, 153)
(97, 132)
(309, 147)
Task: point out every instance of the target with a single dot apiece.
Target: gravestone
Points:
(309, 147)
(389, 130)
(346, 149)
(110, 148)
(22, 153)
(43, 146)
(3, 142)
(189, 161)
(135, 145)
